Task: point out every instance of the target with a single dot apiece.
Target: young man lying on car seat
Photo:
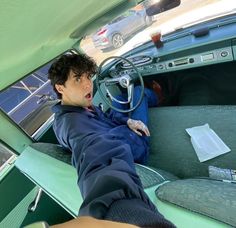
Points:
(104, 147)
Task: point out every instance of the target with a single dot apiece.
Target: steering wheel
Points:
(126, 81)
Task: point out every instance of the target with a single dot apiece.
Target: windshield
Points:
(133, 28)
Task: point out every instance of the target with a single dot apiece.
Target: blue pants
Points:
(150, 99)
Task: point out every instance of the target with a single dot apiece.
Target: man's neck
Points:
(90, 109)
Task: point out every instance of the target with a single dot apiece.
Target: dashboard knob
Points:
(224, 53)
(191, 60)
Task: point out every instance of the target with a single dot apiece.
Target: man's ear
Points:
(59, 88)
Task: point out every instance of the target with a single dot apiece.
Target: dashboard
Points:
(149, 64)
(183, 52)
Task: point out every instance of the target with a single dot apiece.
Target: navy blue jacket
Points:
(103, 151)
(77, 125)
(96, 140)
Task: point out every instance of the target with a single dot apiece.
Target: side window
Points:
(6, 157)
(28, 102)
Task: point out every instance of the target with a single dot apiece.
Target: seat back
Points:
(171, 149)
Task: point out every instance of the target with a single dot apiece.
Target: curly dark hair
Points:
(78, 63)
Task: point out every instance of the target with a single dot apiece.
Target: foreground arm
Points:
(87, 222)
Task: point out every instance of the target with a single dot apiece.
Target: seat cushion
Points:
(171, 148)
(212, 198)
(48, 166)
(149, 177)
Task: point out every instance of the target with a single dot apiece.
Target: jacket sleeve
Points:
(117, 117)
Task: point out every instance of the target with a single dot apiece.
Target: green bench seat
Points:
(47, 166)
(171, 149)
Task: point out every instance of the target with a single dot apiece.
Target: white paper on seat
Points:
(206, 142)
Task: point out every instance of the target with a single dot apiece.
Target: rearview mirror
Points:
(158, 6)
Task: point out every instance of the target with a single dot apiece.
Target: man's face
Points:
(77, 91)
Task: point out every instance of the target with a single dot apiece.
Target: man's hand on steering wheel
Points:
(138, 127)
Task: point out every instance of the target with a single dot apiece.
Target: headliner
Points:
(35, 32)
